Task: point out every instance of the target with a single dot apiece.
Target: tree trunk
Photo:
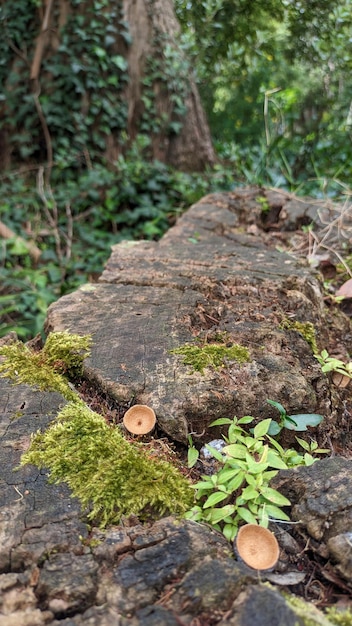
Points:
(153, 27)
(64, 65)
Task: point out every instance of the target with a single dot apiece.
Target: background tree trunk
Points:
(63, 67)
(153, 27)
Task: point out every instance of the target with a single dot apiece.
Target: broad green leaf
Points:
(262, 428)
(230, 531)
(194, 514)
(246, 515)
(274, 460)
(274, 496)
(249, 493)
(274, 428)
(308, 459)
(236, 482)
(204, 485)
(275, 513)
(246, 419)
(226, 474)
(217, 515)
(267, 476)
(235, 450)
(192, 456)
(221, 421)
(214, 499)
(302, 420)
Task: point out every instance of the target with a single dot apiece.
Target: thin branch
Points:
(41, 40)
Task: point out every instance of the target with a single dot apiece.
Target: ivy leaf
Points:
(120, 62)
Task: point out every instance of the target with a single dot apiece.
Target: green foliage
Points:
(104, 471)
(339, 617)
(298, 422)
(242, 484)
(211, 355)
(192, 453)
(331, 364)
(63, 353)
(80, 83)
(101, 206)
(101, 467)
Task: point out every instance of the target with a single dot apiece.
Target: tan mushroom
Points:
(139, 419)
(257, 546)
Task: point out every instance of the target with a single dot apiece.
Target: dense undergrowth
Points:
(63, 233)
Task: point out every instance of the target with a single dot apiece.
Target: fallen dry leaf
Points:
(345, 289)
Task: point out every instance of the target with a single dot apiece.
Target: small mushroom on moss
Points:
(257, 546)
(139, 419)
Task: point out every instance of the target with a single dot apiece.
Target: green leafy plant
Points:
(192, 453)
(242, 484)
(298, 422)
(331, 364)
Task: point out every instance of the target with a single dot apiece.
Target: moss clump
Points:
(211, 355)
(339, 618)
(104, 471)
(308, 613)
(306, 329)
(62, 354)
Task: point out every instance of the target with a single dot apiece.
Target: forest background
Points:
(115, 116)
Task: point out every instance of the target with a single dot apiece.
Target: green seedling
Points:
(298, 422)
(193, 453)
(240, 491)
(331, 364)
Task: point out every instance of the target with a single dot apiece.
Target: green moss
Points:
(306, 329)
(339, 618)
(109, 475)
(308, 613)
(104, 471)
(44, 370)
(211, 355)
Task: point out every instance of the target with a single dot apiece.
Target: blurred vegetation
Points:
(275, 80)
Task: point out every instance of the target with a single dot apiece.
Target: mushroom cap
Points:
(139, 419)
(257, 546)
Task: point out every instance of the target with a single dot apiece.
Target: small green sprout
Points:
(331, 364)
(192, 454)
(298, 422)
